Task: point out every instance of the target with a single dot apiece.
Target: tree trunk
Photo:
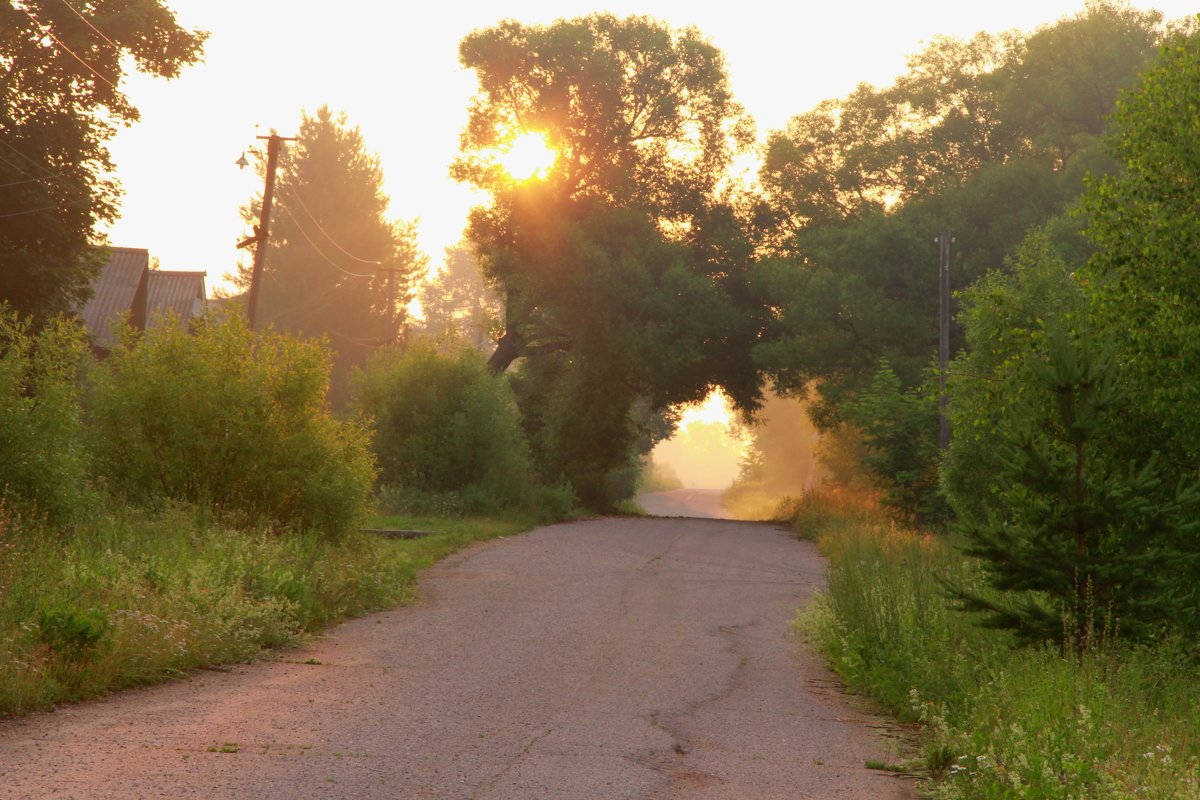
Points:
(508, 350)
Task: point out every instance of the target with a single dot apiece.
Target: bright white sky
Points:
(393, 68)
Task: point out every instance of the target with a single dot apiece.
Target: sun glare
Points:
(706, 451)
(527, 156)
(713, 411)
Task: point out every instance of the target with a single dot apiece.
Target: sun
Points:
(527, 156)
(715, 410)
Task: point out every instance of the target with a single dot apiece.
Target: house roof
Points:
(114, 291)
(179, 294)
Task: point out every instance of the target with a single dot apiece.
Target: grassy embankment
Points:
(1118, 721)
(134, 597)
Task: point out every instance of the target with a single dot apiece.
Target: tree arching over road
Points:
(624, 267)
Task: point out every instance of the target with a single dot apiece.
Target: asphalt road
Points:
(702, 503)
(602, 659)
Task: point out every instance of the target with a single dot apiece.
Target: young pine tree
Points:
(1073, 540)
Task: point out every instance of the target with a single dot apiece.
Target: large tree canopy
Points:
(61, 66)
(623, 267)
(986, 137)
(640, 115)
(642, 121)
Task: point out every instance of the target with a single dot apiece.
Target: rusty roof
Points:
(114, 291)
(174, 293)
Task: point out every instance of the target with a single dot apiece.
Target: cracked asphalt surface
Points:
(611, 658)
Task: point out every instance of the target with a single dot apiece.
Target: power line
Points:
(22, 155)
(88, 22)
(321, 253)
(46, 31)
(42, 167)
(31, 179)
(305, 308)
(43, 208)
(23, 172)
(355, 340)
(296, 194)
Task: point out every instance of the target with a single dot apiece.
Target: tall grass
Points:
(132, 597)
(1117, 721)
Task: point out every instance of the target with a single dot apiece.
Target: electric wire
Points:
(305, 310)
(88, 22)
(45, 31)
(318, 250)
(42, 167)
(306, 306)
(31, 179)
(309, 305)
(20, 170)
(355, 340)
(27, 180)
(296, 194)
(57, 207)
(60, 177)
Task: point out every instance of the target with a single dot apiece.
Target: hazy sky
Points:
(395, 72)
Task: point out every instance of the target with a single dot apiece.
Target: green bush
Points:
(225, 418)
(444, 424)
(42, 464)
(899, 430)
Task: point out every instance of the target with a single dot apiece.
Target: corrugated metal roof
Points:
(114, 291)
(174, 293)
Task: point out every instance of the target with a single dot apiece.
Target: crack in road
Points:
(524, 752)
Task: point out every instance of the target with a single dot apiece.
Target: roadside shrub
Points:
(1112, 721)
(225, 418)
(391, 500)
(42, 464)
(899, 429)
(445, 424)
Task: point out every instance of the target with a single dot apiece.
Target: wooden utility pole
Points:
(392, 330)
(261, 231)
(944, 239)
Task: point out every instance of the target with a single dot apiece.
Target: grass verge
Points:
(1116, 722)
(133, 597)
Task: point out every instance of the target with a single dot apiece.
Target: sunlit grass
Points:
(134, 597)
(1118, 722)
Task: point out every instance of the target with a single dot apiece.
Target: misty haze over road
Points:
(612, 658)
(701, 503)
